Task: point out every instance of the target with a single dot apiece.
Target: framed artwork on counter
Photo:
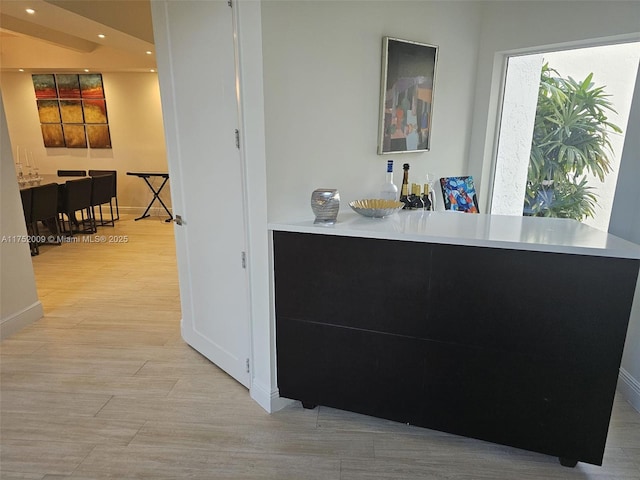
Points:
(459, 194)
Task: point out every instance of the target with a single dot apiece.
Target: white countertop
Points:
(479, 230)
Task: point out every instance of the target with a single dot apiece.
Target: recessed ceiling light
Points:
(86, 69)
(149, 52)
(152, 70)
(21, 69)
(101, 35)
(30, 11)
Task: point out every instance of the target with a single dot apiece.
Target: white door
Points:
(196, 68)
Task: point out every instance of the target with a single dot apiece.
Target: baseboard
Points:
(137, 211)
(17, 321)
(267, 398)
(630, 388)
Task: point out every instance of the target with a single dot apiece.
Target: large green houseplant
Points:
(570, 140)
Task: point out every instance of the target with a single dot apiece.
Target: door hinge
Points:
(244, 259)
(247, 365)
(229, 3)
(237, 139)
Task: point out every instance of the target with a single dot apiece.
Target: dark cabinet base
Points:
(515, 347)
(565, 462)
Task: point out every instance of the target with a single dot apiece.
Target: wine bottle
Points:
(426, 198)
(414, 198)
(404, 198)
(389, 191)
(410, 198)
(404, 192)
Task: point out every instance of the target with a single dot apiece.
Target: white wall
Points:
(135, 124)
(19, 304)
(625, 223)
(322, 65)
(516, 132)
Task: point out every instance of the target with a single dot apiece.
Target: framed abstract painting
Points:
(406, 96)
(72, 110)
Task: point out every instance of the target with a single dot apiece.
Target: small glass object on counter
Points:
(325, 203)
(431, 192)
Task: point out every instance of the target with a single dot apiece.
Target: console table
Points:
(506, 329)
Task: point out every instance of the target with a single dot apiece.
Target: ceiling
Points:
(62, 36)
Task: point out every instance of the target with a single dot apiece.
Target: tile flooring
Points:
(103, 387)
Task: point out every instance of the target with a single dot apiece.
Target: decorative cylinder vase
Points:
(325, 203)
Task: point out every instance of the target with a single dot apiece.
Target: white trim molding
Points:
(630, 388)
(19, 320)
(267, 398)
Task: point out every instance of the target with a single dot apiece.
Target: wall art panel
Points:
(72, 109)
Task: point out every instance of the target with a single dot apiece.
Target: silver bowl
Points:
(376, 207)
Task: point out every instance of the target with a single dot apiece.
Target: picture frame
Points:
(406, 96)
(72, 110)
(459, 194)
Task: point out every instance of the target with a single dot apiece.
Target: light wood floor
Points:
(103, 387)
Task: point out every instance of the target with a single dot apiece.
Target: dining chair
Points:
(44, 209)
(459, 194)
(77, 198)
(114, 193)
(101, 190)
(72, 173)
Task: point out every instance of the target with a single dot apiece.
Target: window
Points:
(614, 67)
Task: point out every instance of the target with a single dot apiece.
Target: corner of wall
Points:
(20, 305)
(267, 398)
(625, 223)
